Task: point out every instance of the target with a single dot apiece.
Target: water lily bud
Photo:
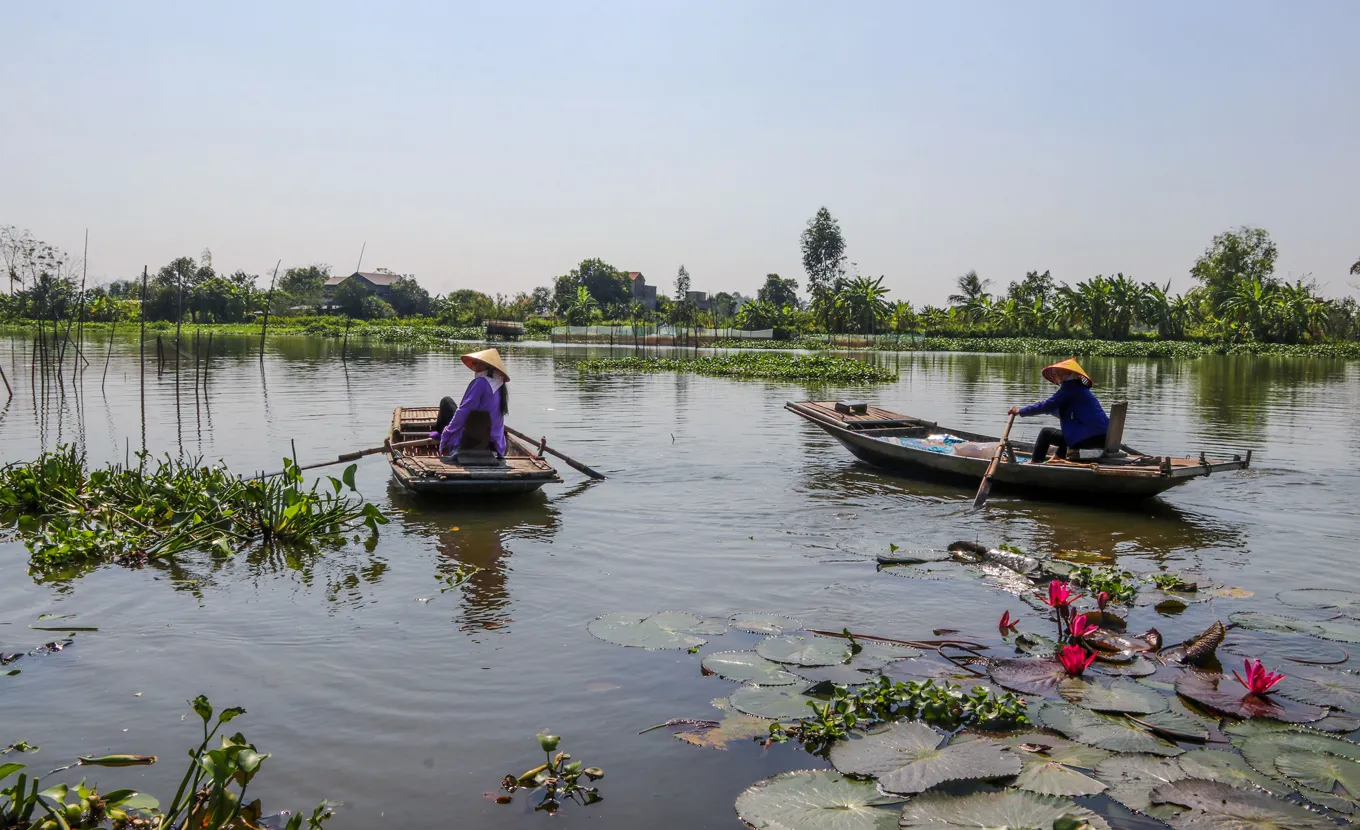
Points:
(548, 742)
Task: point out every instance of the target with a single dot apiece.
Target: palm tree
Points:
(1250, 303)
(864, 304)
(581, 308)
(970, 288)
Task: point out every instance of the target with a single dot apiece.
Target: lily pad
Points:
(1124, 696)
(1137, 666)
(1132, 778)
(1028, 676)
(747, 667)
(844, 675)
(667, 630)
(1273, 648)
(873, 651)
(1321, 771)
(816, 800)
(1011, 809)
(763, 623)
(1223, 693)
(1340, 630)
(1261, 621)
(1345, 602)
(907, 758)
(1213, 804)
(1228, 768)
(1323, 687)
(912, 557)
(804, 650)
(1113, 732)
(1036, 644)
(1049, 764)
(1111, 641)
(773, 702)
(1173, 725)
(1262, 749)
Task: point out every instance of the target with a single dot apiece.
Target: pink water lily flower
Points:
(1075, 660)
(1102, 599)
(1080, 627)
(1259, 680)
(1060, 596)
(1007, 624)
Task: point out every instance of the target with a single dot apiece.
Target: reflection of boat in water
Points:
(481, 533)
(421, 470)
(901, 443)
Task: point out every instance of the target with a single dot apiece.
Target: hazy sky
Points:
(495, 145)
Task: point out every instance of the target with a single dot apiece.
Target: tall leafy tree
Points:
(823, 251)
(541, 301)
(1233, 259)
(779, 291)
(607, 284)
(305, 286)
(408, 298)
(682, 283)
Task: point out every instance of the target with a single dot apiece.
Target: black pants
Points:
(448, 407)
(1053, 437)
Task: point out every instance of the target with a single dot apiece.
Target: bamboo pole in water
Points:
(113, 329)
(160, 356)
(268, 303)
(207, 356)
(6, 380)
(141, 357)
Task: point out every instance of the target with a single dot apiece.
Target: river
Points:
(373, 688)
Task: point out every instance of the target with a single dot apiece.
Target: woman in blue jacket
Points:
(1082, 419)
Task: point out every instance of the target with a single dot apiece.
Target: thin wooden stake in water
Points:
(141, 357)
(207, 356)
(985, 488)
(268, 303)
(109, 354)
(6, 380)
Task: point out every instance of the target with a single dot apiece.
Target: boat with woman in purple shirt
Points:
(474, 453)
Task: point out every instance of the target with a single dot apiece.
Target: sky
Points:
(495, 145)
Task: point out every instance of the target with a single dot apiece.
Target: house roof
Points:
(632, 275)
(372, 276)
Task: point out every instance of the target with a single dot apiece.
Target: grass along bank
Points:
(768, 366)
(1184, 349)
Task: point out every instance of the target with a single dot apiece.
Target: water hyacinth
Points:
(773, 366)
(1260, 681)
(1075, 660)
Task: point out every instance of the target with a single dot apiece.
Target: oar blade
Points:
(983, 492)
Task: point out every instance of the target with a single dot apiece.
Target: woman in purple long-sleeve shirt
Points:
(486, 393)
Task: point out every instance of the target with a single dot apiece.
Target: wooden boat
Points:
(876, 436)
(420, 469)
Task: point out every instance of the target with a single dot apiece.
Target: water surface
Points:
(373, 688)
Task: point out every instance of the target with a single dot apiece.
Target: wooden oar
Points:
(387, 447)
(985, 488)
(542, 447)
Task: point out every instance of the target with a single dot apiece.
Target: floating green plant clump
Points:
(1118, 586)
(211, 795)
(770, 366)
(68, 515)
(559, 778)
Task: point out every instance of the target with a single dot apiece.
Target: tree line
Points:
(1236, 298)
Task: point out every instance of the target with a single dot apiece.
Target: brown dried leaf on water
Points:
(1110, 641)
(1198, 651)
(734, 727)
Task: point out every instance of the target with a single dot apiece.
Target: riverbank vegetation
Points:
(1236, 303)
(773, 366)
(69, 516)
(211, 795)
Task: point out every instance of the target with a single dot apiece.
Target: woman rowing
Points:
(1082, 419)
(486, 394)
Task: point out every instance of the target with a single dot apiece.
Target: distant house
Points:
(699, 299)
(378, 284)
(642, 292)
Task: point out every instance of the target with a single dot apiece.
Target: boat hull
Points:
(421, 470)
(872, 439)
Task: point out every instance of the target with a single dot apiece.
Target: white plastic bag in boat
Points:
(975, 449)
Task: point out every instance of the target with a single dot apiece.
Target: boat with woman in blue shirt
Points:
(1082, 420)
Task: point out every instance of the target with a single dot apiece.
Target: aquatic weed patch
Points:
(68, 515)
(210, 795)
(1177, 349)
(767, 366)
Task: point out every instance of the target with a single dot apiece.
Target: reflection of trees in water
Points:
(478, 532)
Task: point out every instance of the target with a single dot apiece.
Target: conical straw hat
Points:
(490, 357)
(1070, 365)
